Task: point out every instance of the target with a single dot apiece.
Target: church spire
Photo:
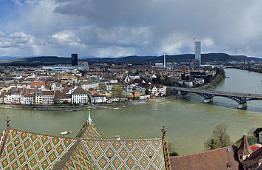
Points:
(244, 150)
(89, 114)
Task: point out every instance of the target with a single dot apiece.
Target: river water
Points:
(188, 122)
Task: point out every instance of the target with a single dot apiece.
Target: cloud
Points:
(2, 34)
(225, 26)
(120, 27)
(26, 2)
(17, 40)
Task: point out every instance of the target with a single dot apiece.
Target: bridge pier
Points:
(183, 94)
(242, 105)
(208, 100)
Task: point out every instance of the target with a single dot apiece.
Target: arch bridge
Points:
(240, 98)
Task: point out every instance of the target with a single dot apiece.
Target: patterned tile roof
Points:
(76, 158)
(25, 150)
(89, 131)
(125, 154)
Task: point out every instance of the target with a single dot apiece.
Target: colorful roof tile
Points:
(89, 131)
(76, 158)
(25, 150)
(33, 151)
(125, 154)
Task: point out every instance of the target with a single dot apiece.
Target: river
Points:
(188, 122)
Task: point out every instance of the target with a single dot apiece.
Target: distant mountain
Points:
(210, 57)
(51, 60)
(41, 60)
(4, 58)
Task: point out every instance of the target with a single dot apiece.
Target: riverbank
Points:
(218, 79)
(189, 123)
(114, 105)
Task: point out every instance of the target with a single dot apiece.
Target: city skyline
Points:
(120, 28)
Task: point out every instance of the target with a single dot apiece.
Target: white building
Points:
(89, 86)
(79, 95)
(27, 99)
(98, 98)
(39, 97)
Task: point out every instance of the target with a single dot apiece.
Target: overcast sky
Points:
(111, 28)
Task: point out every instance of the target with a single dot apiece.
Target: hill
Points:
(210, 57)
(42, 60)
(51, 60)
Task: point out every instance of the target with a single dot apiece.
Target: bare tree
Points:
(102, 86)
(117, 91)
(219, 138)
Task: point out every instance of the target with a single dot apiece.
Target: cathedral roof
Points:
(125, 154)
(89, 131)
(76, 158)
(28, 150)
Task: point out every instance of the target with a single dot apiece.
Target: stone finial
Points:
(163, 131)
(89, 113)
(8, 121)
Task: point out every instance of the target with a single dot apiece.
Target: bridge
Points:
(240, 98)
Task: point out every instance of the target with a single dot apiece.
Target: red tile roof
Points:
(223, 158)
(254, 147)
(37, 84)
(49, 93)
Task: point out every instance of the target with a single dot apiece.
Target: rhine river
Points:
(188, 122)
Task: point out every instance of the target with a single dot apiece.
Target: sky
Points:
(112, 28)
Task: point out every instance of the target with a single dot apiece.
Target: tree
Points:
(147, 92)
(117, 91)
(211, 144)
(166, 80)
(219, 138)
(172, 149)
(102, 86)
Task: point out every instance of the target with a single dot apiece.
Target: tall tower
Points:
(198, 51)
(164, 60)
(74, 59)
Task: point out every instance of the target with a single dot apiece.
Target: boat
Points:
(69, 110)
(65, 133)
(116, 108)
